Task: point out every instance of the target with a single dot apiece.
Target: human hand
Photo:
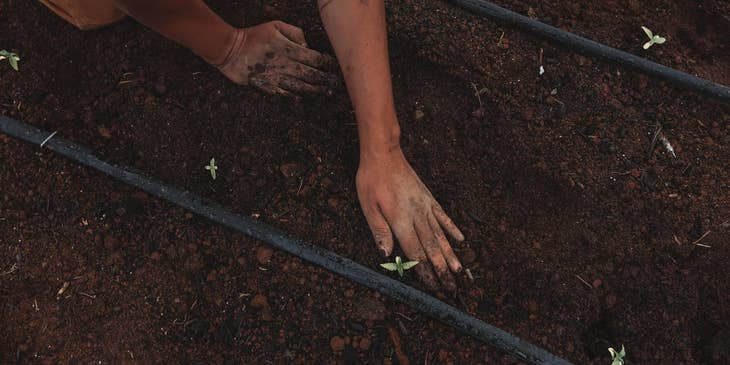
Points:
(274, 58)
(395, 201)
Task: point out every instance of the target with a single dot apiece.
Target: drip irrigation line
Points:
(577, 43)
(329, 260)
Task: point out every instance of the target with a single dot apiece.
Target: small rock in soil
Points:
(610, 301)
(337, 343)
(289, 169)
(365, 344)
(467, 255)
(104, 132)
(259, 302)
(418, 115)
(263, 255)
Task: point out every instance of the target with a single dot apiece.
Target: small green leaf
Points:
(648, 44)
(13, 62)
(390, 266)
(400, 270)
(648, 32)
(409, 264)
(659, 40)
(212, 167)
(623, 352)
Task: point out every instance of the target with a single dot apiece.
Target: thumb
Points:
(293, 33)
(381, 230)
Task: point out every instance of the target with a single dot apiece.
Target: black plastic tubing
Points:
(589, 47)
(329, 260)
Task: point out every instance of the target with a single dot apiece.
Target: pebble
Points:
(365, 344)
(263, 255)
(104, 132)
(289, 169)
(467, 255)
(610, 301)
(337, 343)
(418, 115)
(259, 302)
(443, 355)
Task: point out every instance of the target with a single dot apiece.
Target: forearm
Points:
(357, 32)
(188, 22)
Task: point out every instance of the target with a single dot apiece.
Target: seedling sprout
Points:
(11, 57)
(399, 265)
(653, 38)
(212, 167)
(617, 357)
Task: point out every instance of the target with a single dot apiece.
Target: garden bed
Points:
(578, 237)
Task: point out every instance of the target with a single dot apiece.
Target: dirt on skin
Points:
(579, 235)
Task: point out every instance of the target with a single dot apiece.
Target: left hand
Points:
(395, 201)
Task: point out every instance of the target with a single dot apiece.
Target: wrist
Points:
(380, 149)
(226, 45)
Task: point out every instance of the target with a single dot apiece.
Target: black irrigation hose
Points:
(329, 260)
(587, 46)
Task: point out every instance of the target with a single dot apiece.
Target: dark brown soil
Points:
(580, 236)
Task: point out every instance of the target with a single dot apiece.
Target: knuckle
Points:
(381, 233)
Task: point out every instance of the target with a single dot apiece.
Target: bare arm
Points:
(272, 56)
(393, 198)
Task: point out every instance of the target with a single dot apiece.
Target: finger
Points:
(293, 33)
(310, 74)
(447, 223)
(433, 250)
(380, 229)
(311, 58)
(267, 87)
(297, 86)
(446, 249)
(412, 248)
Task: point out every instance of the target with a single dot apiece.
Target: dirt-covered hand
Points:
(274, 57)
(396, 202)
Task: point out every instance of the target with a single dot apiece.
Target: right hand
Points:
(397, 203)
(274, 58)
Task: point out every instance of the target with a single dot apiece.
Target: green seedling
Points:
(617, 357)
(11, 57)
(212, 167)
(399, 265)
(653, 38)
